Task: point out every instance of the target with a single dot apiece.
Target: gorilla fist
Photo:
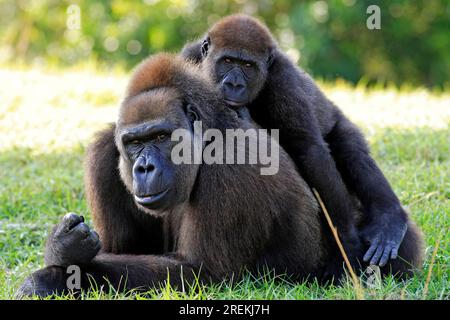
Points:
(71, 242)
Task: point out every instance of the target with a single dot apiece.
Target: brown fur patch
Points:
(153, 72)
(252, 34)
(161, 70)
(147, 105)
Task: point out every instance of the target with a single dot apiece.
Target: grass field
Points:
(47, 119)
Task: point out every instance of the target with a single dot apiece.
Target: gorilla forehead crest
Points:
(164, 70)
(156, 82)
(243, 32)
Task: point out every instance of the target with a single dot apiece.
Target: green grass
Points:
(47, 119)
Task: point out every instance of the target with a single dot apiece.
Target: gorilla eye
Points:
(161, 137)
(248, 65)
(227, 60)
(134, 142)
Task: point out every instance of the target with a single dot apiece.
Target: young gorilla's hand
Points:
(71, 242)
(384, 235)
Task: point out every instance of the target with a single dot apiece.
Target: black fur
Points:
(329, 151)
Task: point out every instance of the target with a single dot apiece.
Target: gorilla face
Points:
(236, 77)
(156, 183)
(240, 75)
(147, 146)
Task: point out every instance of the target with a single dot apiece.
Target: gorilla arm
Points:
(301, 137)
(120, 272)
(386, 221)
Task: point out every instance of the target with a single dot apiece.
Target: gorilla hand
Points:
(384, 235)
(71, 242)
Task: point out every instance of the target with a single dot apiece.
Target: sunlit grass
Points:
(47, 119)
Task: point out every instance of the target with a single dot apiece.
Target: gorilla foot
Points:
(43, 283)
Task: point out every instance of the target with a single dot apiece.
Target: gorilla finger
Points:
(81, 230)
(394, 253)
(371, 251)
(70, 220)
(67, 222)
(71, 216)
(95, 235)
(93, 239)
(377, 255)
(385, 257)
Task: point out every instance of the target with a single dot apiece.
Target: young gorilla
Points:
(192, 220)
(330, 152)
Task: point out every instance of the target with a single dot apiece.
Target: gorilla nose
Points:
(146, 176)
(234, 93)
(234, 86)
(145, 168)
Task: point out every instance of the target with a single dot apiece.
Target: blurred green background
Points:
(328, 38)
(63, 69)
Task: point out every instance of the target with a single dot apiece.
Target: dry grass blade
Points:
(430, 270)
(356, 283)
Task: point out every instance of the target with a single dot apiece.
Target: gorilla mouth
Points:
(234, 103)
(151, 201)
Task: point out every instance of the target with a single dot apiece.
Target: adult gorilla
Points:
(155, 217)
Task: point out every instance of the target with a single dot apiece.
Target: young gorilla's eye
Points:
(134, 142)
(227, 60)
(248, 65)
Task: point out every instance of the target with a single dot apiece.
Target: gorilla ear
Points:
(205, 47)
(191, 113)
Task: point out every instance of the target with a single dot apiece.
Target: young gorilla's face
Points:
(240, 74)
(143, 137)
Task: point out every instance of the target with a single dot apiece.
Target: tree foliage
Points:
(328, 38)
